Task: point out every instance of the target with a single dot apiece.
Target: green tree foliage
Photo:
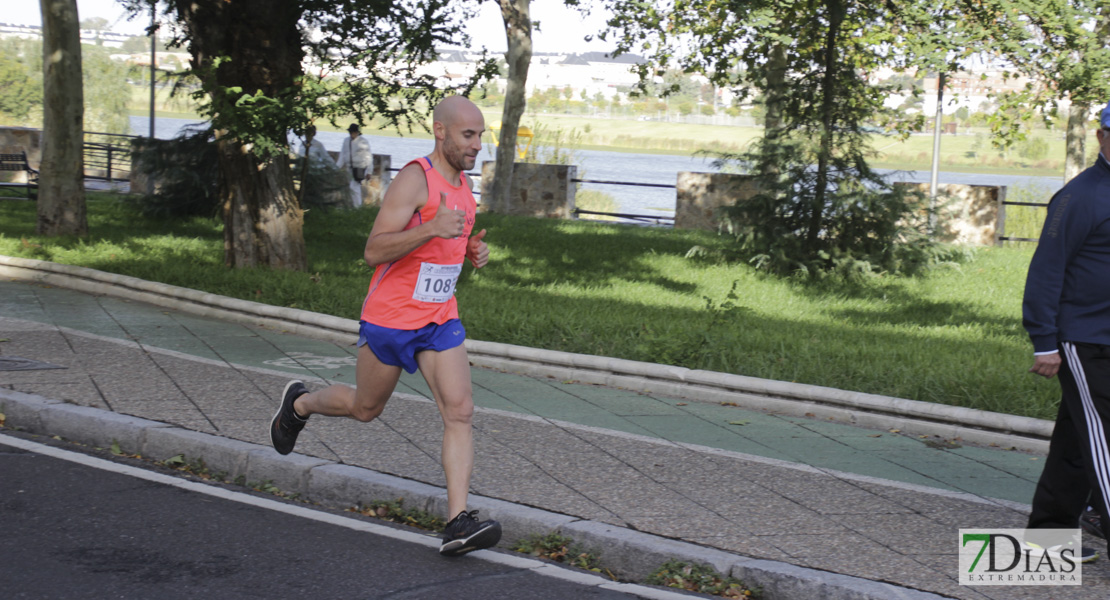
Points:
(819, 207)
(363, 60)
(21, 86)
(21, 81)
(1064, 46)
(105, 90)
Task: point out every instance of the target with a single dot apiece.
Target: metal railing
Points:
(1000, 225)
(107, 156)
(653, 219)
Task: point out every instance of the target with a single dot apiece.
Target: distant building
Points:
(95, 37)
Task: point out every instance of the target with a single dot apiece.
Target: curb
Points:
(629, 554)
(794, 399)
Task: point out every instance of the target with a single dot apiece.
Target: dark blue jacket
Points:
(1067, 290)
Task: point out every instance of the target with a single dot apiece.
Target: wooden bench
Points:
(18, 162)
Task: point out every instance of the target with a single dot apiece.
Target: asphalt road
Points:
(105, 530)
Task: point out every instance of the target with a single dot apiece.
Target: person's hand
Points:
(477, 250)
(448, 223)
(1046, 365)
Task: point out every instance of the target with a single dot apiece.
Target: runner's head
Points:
(1103, 133)
(458, 126)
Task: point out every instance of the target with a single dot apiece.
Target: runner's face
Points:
(1103, 136)
(463, 141)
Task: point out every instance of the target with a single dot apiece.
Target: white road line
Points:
(430, 541)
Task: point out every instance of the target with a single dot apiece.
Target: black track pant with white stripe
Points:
(1078, 457)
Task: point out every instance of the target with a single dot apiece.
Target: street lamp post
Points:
(153, 51)
(936, 155)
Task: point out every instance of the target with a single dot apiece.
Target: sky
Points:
(486, 29)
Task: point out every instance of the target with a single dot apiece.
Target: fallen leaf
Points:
(896, 431)
(876, 435)
(679, 404)
(738, 422)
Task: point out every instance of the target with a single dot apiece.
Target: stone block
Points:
(536, 190)
(700, 196)
(966, 214)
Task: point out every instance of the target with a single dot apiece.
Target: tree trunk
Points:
(263, 221)
(61, 202)
(518, 33)
(776, 88)
(1075, 157)
(836, 13)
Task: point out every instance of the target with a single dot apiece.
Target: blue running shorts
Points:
(399, 347)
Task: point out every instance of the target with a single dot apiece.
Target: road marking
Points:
(427, 540)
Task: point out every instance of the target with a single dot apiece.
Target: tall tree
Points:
(518, 34)
(1064, 46)
(363, 60)
(820, 206)
(61, 202)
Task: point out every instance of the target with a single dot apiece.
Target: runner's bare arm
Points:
(388, 239)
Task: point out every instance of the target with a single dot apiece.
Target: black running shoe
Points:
(1086, 554)
(465, 533)
(1091, 522)
(286, 425)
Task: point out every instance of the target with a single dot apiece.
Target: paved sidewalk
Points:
(789, 492)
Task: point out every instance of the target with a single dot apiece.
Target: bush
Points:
(1033, 148)
(853, 224)
(185, 172)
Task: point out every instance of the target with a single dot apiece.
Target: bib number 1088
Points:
(436, 283)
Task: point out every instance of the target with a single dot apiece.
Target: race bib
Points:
(436, 283)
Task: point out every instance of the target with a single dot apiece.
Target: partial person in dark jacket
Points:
(1066, 311)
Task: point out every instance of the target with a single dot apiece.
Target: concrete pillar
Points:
(700, 196)
(537, 190)
(967, 214)
(373, 188)
(141, 182)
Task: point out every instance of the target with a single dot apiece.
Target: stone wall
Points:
(700, 196)
(966, 214)
(537, 190)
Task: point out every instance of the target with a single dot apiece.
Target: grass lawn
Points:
(952, 337)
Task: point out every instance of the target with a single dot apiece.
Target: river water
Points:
(623, 166)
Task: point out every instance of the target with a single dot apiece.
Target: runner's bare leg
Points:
(448, 375)
(375, 382)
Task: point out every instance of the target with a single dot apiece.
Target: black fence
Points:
(1000, 227)
(649, 219)
(107, 156)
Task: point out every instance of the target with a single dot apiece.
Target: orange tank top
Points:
(419, 288)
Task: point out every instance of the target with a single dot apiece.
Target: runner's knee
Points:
(458, 410)
(366, 412)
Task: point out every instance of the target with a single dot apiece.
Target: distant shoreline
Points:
(625, 149)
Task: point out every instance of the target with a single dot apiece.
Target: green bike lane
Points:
(867, 453)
